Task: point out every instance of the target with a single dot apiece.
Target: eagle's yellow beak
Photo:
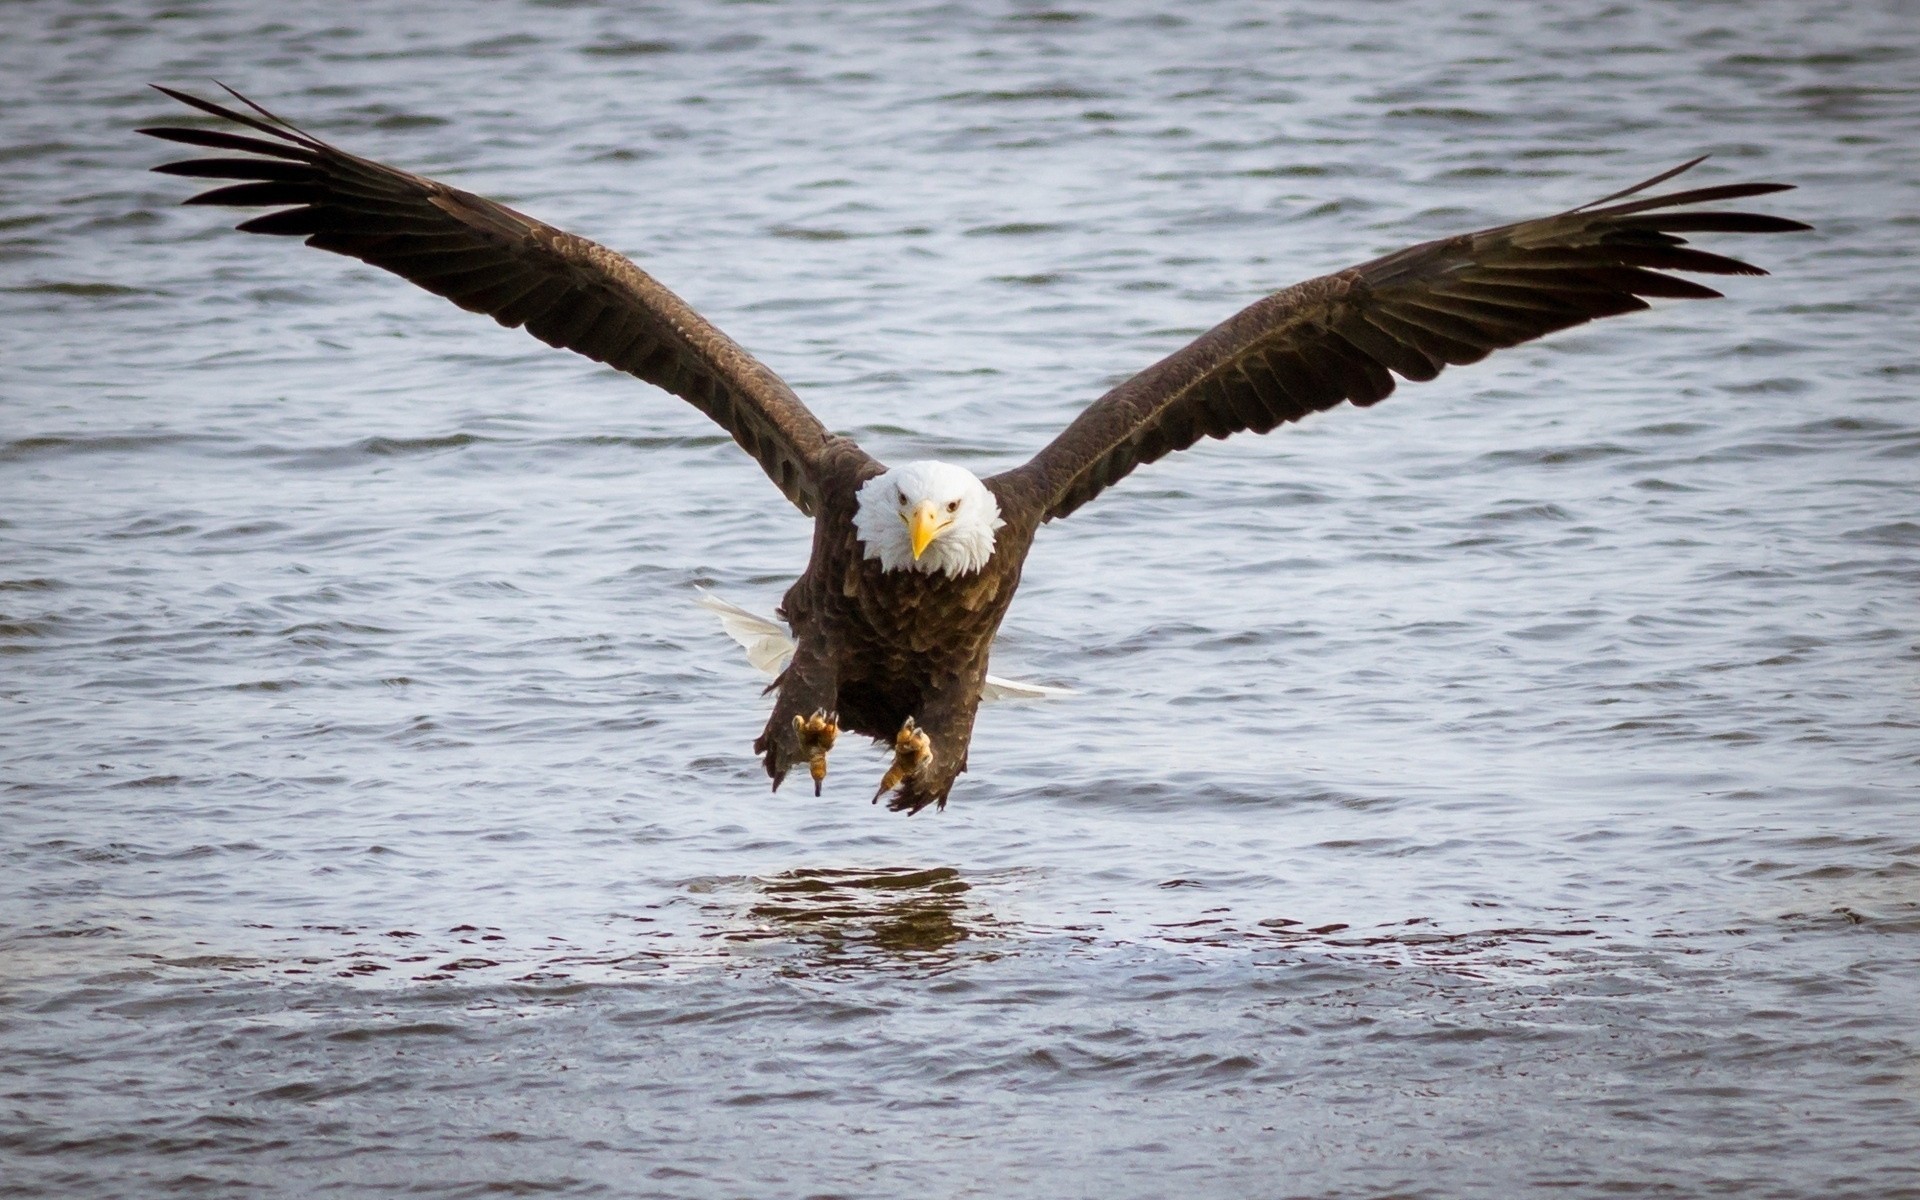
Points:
(923, 525)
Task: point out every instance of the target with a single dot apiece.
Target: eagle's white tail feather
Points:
(997, 688)
(769, 648)
(768, 645)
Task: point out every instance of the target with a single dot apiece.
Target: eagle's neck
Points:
(969, 512)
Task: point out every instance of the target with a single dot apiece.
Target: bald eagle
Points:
(914, 566)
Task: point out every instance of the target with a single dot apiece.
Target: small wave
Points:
(1024, 95)
(504, 46)
(1905, 534)
(45, 627)
(628, 49)
(1015, 229)
(398, 1029)
(36, 448)
(1847, 425)
(1295, 171)
(1778, 385)
(1425, 112)
(802, 233)
(1192, 793)
(152, 781)
(246, 529)
(1558, 455)
(409, 121)
(28, 150)
(387, 447)
(61, 287)
(1417, 939)
(636, 441)
(370, 447)
(1664, 485)
(1523, 512)
(1820, 58)
(312, 628)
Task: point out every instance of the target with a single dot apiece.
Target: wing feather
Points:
(485, 257)
(1345, 336)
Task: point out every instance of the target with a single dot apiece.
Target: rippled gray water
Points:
(1510, 788)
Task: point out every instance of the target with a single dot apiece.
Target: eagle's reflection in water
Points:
(845, 914)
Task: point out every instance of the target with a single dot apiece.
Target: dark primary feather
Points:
(485, 257)
(1345, 336)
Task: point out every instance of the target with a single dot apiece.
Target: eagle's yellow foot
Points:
(816, 735)
(912, 754)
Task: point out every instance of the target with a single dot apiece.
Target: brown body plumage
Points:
(879, 647)
(895, 648)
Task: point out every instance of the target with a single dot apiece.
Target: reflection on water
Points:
(843, 914)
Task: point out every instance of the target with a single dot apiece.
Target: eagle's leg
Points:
(816, 734)
(930, 751)
(912, 755)
(804, 721)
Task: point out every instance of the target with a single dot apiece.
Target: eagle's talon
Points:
(912, 754)
(816, 735)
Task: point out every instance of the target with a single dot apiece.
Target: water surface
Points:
(1510, 788)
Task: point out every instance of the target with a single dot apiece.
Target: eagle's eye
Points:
(954, 506)
(902, 493)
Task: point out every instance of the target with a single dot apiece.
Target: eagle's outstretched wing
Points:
(1344, 336)
(486, 257)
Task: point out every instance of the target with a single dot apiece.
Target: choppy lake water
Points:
(1510, 788)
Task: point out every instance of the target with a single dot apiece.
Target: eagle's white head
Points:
(927, 516)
